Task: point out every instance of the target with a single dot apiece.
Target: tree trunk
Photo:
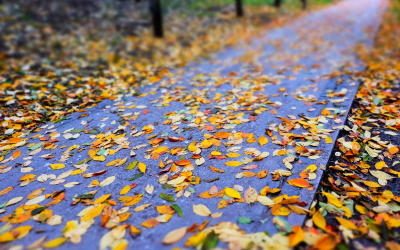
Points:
(156, 13)
(277, 3)
(304, 4)
(239, 8)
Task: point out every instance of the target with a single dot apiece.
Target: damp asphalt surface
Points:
(322, 41)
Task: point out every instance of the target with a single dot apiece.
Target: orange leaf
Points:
(222, 135)
(215, 170)
(248, 174)
(393, 150)
(326, 243)
(16, 154)
(14, 140)
(150, 223)
(296, 237)
(223, 204)
(207, 195)
(299, 182)
(262, 174)
(6, 190)
(165, 209)
(280, 210)
(183, 162)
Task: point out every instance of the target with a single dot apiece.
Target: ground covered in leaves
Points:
(227, 152)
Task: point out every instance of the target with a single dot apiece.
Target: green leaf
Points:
(283, 226)
(2, 205)
(210, 242)
(211, 180)
(131, 165)
(136, 176)
(6, 152)
(167, 186)
(384, 230)
(36, 146)
(244, 220)
(167, 197)
(37, 210)
(83, 161)
(85, 196)
(178, 209)
(77, 130)
(101, 151)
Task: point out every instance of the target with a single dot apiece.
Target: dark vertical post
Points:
(277, 3)
(239, 8)
(156, 13)
(304, 4)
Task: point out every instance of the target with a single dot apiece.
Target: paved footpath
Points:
(289, 66)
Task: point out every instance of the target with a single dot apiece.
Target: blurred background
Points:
(100, 33)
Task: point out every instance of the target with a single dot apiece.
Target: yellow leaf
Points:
(93, 183)
(251, 139)
(60, 87)
(263, 140)
(312, 168)
(124, 217)
(380, 165)
(113, 162)
(134, 230)
(361, 209)
(99, 158)
(142, 207)
(6, 237)
(319, 220)
(142, 167)
(328, 140)
(195, 240)
(298, 210)
(201, 210)
(233, 163)
(175, 236)
(125, 190)
(333, 200)
(107, 181)
(135, 200)
(102, 199)
(233, 155)
(232, 193)
(121, 162)
(57, 166)
(92, 213)
(346, 223)
(371, 184)
(55, 242)
(192, 148)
